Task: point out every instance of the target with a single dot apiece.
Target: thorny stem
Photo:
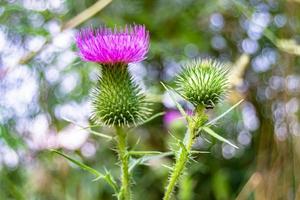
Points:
(124, 159)
(183, 154)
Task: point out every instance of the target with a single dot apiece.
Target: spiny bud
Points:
(203, 82)
(117, 100)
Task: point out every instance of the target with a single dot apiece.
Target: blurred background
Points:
(45, 102)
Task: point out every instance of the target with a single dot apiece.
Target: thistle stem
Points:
(124, 159)
(184, 152)
(179, 165)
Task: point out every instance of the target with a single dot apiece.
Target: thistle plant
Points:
(204, 84)
(117, 100)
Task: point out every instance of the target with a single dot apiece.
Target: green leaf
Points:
(182, 146)
(111, 181)
(100, 134)
(198, 152)
(12, 139)
(151, 118)
(90, 130)
(179, 107)
(143, 153)
(140, 161)
(223, 114)
(217, 136)
(79, 164)
(107, 177)
(168, 167)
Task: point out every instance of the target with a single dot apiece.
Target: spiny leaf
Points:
(179, 107)
(217, 136)
(111, 181)
(107, 177)
(134, 162)
(151, 118)
(79, 164)
(223, 114)
(182, 146)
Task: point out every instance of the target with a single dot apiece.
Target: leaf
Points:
(111, 181)
(79, 164)
(134, 162)
(107, 177)
(217, 136)
(100, 134)
(151, 118)
(143, 153)
(179, 107)
(182, 146)
(11, 138)
(223, 114)
(90, 130)
(168, 167)
(199, 152)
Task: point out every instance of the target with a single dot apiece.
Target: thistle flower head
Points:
(203, 82)
(117, 100)
(107, 46)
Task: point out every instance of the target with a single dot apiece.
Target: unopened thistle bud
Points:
(117, 100)
(203, 82)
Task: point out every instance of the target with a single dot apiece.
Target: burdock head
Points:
(117, 100)
(203, 82)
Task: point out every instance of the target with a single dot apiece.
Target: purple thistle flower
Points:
(107, 46)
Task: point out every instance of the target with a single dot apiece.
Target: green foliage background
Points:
(263, 35)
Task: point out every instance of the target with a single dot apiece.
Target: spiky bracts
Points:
(118, 45)
(117, 100)
(203, 82)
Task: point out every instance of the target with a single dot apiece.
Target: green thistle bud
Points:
(117, 100)
(203, 82)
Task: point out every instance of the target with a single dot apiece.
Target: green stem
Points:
(124, 159)
(183, 155)
(179, 165)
